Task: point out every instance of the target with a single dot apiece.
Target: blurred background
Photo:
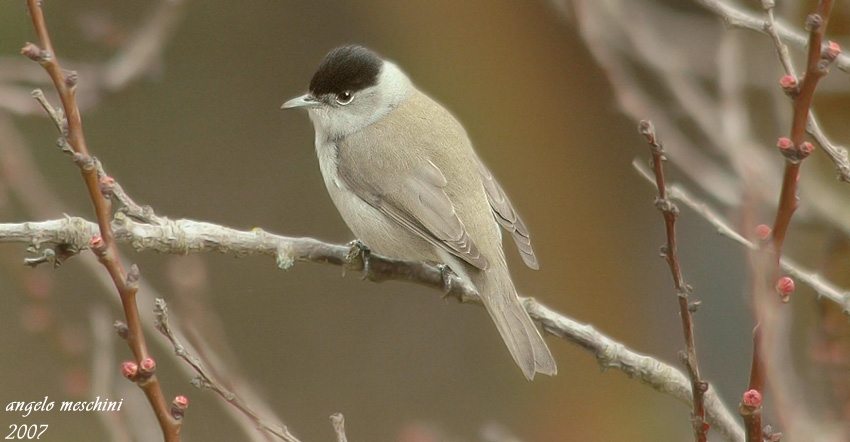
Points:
(201, 136)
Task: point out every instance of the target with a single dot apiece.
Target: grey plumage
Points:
(403, 175)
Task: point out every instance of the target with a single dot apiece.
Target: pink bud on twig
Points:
(121, 328)
(752, 398)
(97, 245)
(35, 53)
(806, 149)
(785, 286)
(107, 185)
(790, 85)
(129, 369)
(179, 406)
(763, 231)
(831, 51)
(148, 365)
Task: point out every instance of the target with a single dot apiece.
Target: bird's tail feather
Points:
(521, 336)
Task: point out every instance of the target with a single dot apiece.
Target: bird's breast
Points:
(368, 224)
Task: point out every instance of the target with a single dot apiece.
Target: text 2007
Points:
(25, 431)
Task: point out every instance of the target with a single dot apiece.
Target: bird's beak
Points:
(306, 101)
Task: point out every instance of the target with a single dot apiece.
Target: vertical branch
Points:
(103, 246)
(816, 68)
(794, 149)
(837, 154)
(683, 290)
(750, 407)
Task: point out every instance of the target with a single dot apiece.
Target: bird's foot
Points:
(446, 273)
(358, 250)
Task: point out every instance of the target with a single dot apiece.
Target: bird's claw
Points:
(356, 249)
(446, 273)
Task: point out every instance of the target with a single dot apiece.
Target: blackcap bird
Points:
(403, 175)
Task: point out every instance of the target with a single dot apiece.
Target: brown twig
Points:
(749, 409)
(815, 70)
(794, 149)
(104, 245)
(683, 290)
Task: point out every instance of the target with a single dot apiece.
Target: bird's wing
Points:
(420, 203)
(506, 215)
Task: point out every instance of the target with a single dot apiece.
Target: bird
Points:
(403, 175)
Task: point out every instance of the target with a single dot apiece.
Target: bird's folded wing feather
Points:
(421, 204)
(506, 215)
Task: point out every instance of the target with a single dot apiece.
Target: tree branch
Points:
(181, 237)
(205, 379)
(734, 16)
(104, 246)
(670, 254)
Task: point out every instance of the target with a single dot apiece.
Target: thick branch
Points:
(186, 236)
(815, 70)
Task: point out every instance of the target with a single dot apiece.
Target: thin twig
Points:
(206, 380)
(180, 237)
(338, 422)
(686, 308)
(770, 27)
(823, 288)
(27, 183)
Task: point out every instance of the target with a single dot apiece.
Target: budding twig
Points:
(686, 308)
(794, 149)
(103, 244)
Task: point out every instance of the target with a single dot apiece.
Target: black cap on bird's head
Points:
(353, 74)
(346, 69)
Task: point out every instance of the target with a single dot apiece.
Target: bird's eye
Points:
(344, 98)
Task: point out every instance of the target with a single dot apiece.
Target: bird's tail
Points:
(521, 336)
